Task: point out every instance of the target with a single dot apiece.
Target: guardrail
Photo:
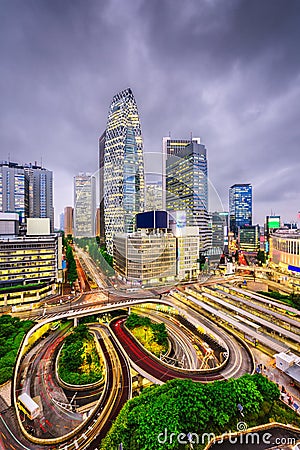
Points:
(181, 370)
(62, 439)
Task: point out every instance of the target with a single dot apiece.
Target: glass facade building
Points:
(187, 188)
(101, 188)
(84, 205)
(171, 147)
(145, 258)
(240, 206)
(123, 173)
(249, 238)
(40, 192)
(26, 189)
(219, 229)
(153, 197)
(14, 189)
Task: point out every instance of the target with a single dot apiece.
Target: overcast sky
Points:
(225, 70)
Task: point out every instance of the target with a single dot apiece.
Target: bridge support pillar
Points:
(75, 322)
(129, 310)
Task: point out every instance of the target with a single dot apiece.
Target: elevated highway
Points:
(239, 361)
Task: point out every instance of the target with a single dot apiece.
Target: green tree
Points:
(71, 264)
(183, 406)
(5, 374)
(72, 357)
(261, 257)
(89, 360)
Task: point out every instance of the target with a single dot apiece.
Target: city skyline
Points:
(236, 88)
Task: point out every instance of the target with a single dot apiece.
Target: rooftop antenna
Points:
(169, 134)
(41, 161)
(9, 157)
(191, 136)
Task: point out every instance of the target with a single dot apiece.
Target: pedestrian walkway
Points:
(269, 369)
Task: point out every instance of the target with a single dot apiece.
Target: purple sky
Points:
(227, 71)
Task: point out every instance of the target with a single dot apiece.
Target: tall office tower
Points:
(153, 197)
(68, 220)
(40, 192)
(84, 205)
(123, 167)
(98, 221)
(61, 221)
(240, 206)
(172, 147)
(14, 189)
(219, 228)
(101, 188)
(187, 188)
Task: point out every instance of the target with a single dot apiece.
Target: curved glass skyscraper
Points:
(123, 171)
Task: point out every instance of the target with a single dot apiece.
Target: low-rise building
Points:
(249, 238)
(285, 250)
(289, 363)
(30, 266)
(9, 224)
(146, 256)
(188, 248)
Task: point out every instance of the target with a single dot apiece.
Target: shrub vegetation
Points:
(12, 331)
(183, 406)
(79, 361)
(153, 336)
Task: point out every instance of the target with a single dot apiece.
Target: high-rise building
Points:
(187, 188)
(98, 222)
(84, 205)
(153, 197)
(146, 256)
(14, 189)
(188, 248)
(26, 189)
(171, 147)
(219, 229)
(249, 238)
(101, 187)
(40, 192)
(123, 181)
(68, 220)
(240, 206)
(61, 221)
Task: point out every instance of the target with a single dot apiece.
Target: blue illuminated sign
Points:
(294, 268)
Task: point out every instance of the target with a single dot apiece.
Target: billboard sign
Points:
(273, 222)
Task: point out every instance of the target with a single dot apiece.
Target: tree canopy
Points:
(261, 257)
(98, 254)
(71, 264)
(183, 406)
(12, 331)
(79, 361)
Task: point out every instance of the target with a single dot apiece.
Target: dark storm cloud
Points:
(227, 71)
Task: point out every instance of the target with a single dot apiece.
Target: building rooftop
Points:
(287, 234)
(294, 372)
